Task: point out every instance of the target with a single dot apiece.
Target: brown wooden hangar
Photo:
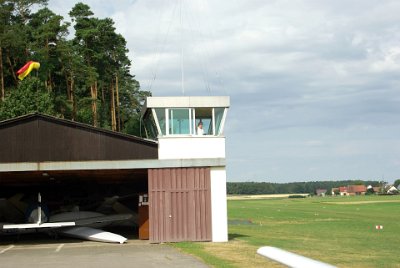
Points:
(178, 197)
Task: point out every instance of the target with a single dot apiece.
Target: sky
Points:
(314, 85)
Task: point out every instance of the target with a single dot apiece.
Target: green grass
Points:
(337, 230)
(198, 250)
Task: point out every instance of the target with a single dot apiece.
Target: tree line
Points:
(251, 188)
(84, 76)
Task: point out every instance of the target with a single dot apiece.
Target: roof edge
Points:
(72, 123)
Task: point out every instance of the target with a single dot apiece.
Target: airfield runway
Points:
(75, 253)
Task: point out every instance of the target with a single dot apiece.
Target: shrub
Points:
(297, 196)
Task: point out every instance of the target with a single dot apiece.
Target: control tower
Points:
(190, 130)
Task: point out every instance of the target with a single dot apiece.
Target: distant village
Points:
(316, 188)
(351, 190)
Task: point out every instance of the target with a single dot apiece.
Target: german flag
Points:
(27, 68)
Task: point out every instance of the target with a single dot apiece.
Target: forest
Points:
(292, 187)
(84, 74)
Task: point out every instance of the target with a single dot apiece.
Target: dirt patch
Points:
(240, 222)
(239, 254)
(260, 196)
(363, 202)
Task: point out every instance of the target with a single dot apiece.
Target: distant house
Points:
(374, 190)
(350, 190)
(377, 189)
(320, 192)
(335, 191)
(391, 190)
(356, 189)
(339, 191)
(343, 190)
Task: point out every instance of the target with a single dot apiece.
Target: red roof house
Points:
(356, 189)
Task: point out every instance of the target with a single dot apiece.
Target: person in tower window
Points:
(200, 130)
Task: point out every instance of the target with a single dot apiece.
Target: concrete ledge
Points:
(106, 165)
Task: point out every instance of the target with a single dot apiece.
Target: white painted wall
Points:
(187, 147)
(219, 211)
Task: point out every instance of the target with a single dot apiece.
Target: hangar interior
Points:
(106, 191)
(79, 190)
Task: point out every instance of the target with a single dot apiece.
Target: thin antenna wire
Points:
(203, 50)
(182, 70)
(210, 46)
(195, 25)
(161, 48)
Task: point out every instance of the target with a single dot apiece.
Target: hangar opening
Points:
(83, 174)
(106, 192)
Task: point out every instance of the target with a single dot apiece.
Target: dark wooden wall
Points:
(40, 138)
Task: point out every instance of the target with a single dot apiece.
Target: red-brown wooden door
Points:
(179, 204)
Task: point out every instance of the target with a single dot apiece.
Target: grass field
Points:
(337, 230)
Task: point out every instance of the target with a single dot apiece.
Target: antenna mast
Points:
(182, 70)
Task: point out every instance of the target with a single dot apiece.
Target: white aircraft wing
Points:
(89, 218)
(76, 223)
(37, 225)
(93, 234)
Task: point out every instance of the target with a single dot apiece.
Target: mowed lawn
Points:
(337, 230)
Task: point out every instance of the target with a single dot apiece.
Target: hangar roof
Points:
(43, 138)
(36, 145)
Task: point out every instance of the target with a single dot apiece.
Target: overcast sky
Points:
(314, 85)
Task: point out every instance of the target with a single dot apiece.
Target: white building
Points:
(175, 123)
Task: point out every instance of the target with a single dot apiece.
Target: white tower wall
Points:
(219, 210)
(175, 147)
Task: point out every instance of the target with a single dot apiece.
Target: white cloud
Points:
(314, 85)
